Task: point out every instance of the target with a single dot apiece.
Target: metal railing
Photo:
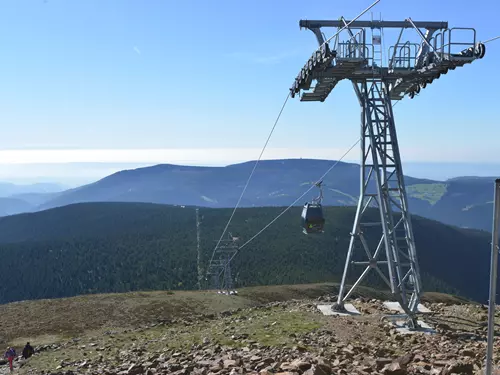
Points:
(404, 55)
(443, 42)
(354, 47)
(348, 50)
(345, 36)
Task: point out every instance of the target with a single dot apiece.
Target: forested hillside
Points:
(114, 247)
(459, 201)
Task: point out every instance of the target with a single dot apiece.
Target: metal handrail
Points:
(360, 43)
(348, 49)
(354, 47)
(407, 47)
(391, 63)
(356, 39)
(404, 54)
(433, 41)
(360, 32)
(450, 43)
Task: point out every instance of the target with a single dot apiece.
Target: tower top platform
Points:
(410, 66)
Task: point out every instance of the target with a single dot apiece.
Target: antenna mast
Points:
(198, 250)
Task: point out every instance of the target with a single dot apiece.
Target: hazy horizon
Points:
(76, 174)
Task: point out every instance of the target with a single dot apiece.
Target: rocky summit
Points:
(287, 338)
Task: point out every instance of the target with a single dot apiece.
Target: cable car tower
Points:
(219, 269)
(409, 68)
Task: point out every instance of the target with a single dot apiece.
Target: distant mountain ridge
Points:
(472, 178)
(461, 201)
(18, 198)
(7, 188)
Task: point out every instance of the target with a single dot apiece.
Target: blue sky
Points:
(174, 76)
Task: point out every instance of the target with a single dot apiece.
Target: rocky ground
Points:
(288, 338)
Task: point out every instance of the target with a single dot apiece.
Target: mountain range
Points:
(464, 201)
(119, 247)
(17, 198)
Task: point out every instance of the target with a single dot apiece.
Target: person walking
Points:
(10, 354)
(28, 351)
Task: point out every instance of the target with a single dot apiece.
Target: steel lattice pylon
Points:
(409, 68)
(382, 186)
(219, 270)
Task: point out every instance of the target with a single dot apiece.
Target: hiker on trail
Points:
(28, 351)
(10, 354)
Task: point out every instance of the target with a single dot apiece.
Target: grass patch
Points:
(45, 321)
(431, 193)
(352, 199)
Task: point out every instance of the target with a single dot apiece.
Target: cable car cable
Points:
(492, 39)
(294, 202)
(320, 180)
(346, 26)
(248, 181)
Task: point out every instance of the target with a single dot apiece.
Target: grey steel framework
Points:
(219, 270)
(408, 68)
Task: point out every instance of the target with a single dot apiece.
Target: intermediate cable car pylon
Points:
(246, 185)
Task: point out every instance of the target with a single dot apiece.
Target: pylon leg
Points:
(382, 186)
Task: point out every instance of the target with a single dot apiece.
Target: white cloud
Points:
(215, 156)
(221, 156)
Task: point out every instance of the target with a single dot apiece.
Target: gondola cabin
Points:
(313, 220)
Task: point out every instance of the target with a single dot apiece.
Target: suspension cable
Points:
(349, 23)
(295, 201)
(248, 181)
(492, 39)
(320, 180)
